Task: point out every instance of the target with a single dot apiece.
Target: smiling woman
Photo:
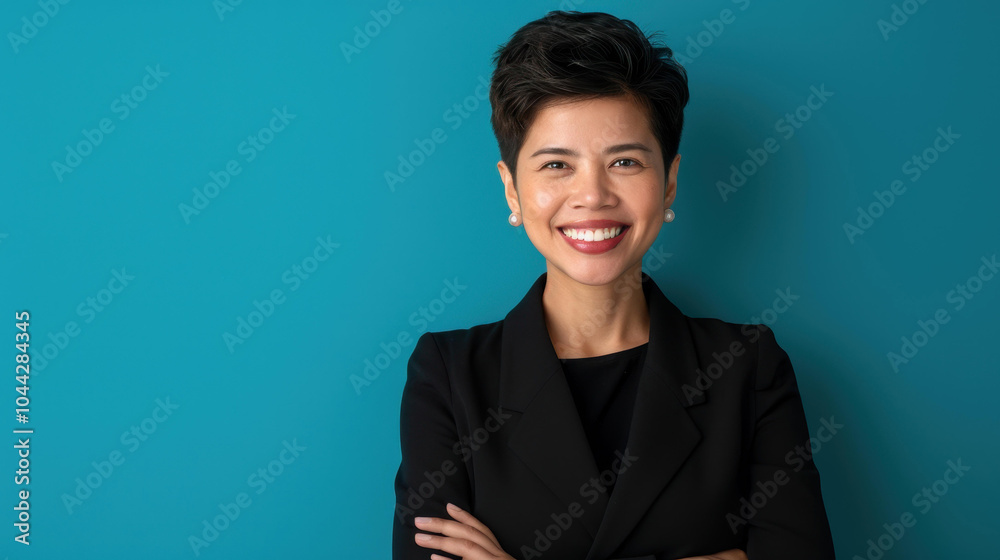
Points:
(580, 426)
(581, 175)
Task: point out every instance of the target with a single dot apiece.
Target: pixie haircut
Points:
(575, 56)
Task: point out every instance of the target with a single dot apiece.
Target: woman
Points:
(596, 420)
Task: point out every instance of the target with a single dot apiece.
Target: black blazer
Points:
(717, 454)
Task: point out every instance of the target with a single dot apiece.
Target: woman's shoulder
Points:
(456, 339)
(458, 346)
(711, 336)
(712, 328)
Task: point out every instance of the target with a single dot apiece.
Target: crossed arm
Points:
(792, 525)
(469, 539)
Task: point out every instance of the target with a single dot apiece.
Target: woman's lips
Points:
(594, 247)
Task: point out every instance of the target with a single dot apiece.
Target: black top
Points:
(604, 389)
(497, 380)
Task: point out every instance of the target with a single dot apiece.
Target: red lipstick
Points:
(594, 247)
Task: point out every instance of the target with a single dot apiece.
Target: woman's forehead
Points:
(595, 122)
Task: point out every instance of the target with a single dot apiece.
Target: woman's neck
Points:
(585, 321)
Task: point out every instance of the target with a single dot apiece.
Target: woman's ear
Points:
(510, 190)
(671, 182)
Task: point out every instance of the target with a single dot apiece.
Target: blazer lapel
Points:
(662, 434)
(550, 438)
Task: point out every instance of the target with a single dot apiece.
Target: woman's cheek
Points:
(542, 199)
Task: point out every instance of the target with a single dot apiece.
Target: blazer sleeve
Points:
(786, 518)
(430, 473)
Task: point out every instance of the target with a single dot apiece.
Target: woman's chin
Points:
(594, 274)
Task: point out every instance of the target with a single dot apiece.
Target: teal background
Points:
(323, 176)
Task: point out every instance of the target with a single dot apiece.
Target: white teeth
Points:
(593, 234)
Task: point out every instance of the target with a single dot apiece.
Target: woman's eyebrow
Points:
(555, 150)
(626, 147)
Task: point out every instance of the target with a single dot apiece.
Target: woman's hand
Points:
(469, 538)
(731, 554)
(466, 537)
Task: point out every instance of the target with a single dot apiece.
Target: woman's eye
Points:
(628, 161)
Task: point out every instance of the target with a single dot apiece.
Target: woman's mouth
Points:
(595, 234)
(594, 241)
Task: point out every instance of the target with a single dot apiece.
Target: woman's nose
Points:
(592, 188)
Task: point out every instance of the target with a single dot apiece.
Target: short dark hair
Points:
(574, 55)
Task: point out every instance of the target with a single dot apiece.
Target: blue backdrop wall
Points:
(199, 206)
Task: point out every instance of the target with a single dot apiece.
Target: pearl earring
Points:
(668, 216)
(513, 219)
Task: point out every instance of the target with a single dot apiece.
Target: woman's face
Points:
(591, 160)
